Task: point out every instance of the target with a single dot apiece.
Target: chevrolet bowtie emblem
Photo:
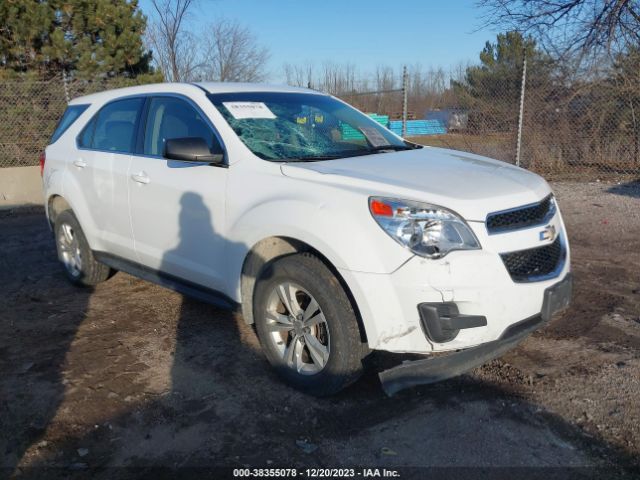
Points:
(549, 233)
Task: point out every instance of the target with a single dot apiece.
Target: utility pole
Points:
(405, 81)
(521, 114)
(65, 84)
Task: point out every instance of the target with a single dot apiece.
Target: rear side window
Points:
(114, 127)
(86, 136)
(69, 116)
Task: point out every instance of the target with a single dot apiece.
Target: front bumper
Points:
(476, 281)
(431, 370)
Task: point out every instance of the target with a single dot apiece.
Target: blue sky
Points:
(365, 33)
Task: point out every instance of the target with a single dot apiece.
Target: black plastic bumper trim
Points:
(435, 369)
(441, 322)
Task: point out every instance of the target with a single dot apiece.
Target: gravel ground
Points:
(132, 374)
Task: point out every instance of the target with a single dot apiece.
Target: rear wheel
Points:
(73, 251)
(307, 326)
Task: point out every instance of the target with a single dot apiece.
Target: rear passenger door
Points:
(105, 146)
(178, 208)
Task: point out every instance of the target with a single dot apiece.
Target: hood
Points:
(469, 184)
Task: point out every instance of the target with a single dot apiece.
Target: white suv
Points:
(333, 235)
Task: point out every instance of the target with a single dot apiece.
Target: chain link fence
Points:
(581, 127)
(570, 128)
(30, 110)
(482, 119)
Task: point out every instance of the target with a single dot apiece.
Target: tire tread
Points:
(347, 368)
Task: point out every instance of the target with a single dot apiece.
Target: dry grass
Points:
(542, 156)
(494, 145)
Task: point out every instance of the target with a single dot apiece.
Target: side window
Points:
(170, 117)
(69, 116)
(114, 127)
(86, 136)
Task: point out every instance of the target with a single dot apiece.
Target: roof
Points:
(186, 88)
(229, 87)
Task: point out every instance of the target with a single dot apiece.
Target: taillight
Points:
(43, 158)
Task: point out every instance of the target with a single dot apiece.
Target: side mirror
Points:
(190, 149)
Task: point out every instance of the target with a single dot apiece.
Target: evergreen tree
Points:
(87, 38)
(492, 88)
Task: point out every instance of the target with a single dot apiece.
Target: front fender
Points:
(349, 240)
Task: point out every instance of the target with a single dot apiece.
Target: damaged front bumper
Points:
(430, 370)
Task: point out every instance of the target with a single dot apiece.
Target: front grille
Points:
(535, 264)
(521, 217)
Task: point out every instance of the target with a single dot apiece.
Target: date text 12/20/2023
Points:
(316, 473)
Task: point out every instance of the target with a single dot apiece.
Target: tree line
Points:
(106, 39)
(583, 64)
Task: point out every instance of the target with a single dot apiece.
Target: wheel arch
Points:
(272, 248)
(56, 204)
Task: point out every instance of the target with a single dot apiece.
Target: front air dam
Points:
(430, 370)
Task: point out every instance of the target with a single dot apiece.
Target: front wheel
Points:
(307, 326)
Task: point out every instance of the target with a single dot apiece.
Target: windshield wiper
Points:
(312, 158)
(331, 156)
(349, 153)
(396, 148)
(381, 148)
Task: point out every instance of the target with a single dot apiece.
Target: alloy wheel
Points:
(298, 328)
(70, 249)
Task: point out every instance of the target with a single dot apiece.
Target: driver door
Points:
(178, 208)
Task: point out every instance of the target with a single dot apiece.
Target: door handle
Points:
(80, 163)
(141, 178)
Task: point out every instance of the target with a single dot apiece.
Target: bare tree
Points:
(337, 78)
(232, 54)
(385, 78)
(426, 87)
(299, 75)
(570, 26)
(379, 91)
(174, 49)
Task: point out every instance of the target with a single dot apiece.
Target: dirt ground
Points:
(131, 374)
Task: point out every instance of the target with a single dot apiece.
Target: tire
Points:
(73, 249)
(332, 359)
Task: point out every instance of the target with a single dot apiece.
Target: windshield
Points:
(281, 126)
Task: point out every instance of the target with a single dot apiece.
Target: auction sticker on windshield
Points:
(375, 138)
(244, 110)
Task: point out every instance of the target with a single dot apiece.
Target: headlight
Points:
(427, 230)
